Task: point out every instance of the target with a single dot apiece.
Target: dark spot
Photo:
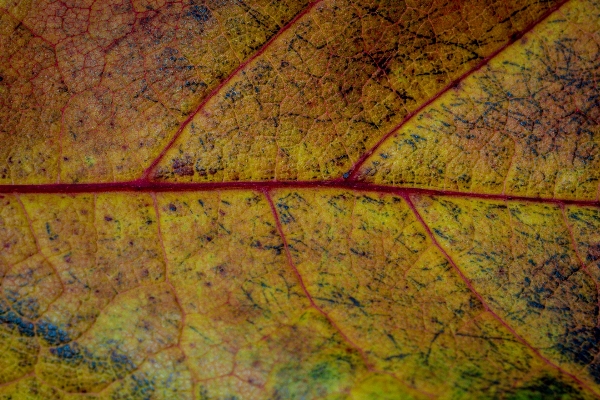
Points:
(593, 252)
(107, 218)
(143, 386)
(67, 352)
(183, 167)
(278, 249)
(51, 236)
(52, 333)
(121, 361)
(546, 387)
(355, 302)
(220, 269)
(581, 345)
(14, 321)
(535, 304)
(514, 37)
(232, 94)
(360, 253)
(322, 372)
(172, 207)
(200, 13)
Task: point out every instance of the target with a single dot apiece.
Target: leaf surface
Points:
(335, 199)
(526, 124)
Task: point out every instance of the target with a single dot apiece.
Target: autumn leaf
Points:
(330, 199)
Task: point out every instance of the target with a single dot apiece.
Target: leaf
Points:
(334, 199)
(526, 124)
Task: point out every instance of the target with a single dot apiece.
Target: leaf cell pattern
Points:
(92, 91)
(291, 200)
(526, 124)
(328, 89)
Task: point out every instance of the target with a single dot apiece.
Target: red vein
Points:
(39, 248)
(147, 186)
(582, 264)
(313, 304)
(486, 305)
(170, 285)
(301, 280)
(16, 380)
(217, 89)
(351, 174)
(167, 280)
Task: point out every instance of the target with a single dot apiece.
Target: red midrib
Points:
(148, 186)
(348, 182)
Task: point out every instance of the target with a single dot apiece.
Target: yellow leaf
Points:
(331, 199)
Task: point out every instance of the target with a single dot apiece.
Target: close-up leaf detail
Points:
(526, 124)
(329, 199)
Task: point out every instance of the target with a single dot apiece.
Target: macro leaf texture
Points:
(331, 199)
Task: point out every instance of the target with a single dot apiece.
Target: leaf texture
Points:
(92, 91)
(526, 124)
(292, 200)
(329, 88)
